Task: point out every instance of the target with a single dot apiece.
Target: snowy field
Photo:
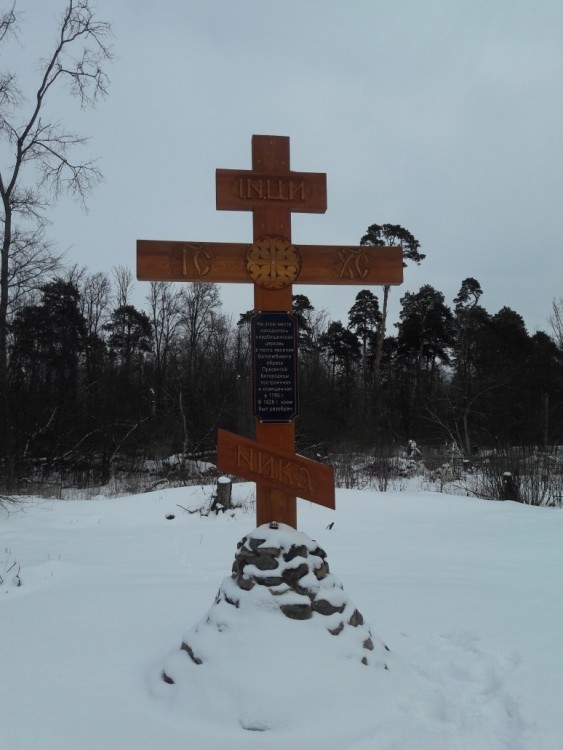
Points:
(467, 594)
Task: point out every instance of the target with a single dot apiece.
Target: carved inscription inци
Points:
(247, 190)
(271, 189)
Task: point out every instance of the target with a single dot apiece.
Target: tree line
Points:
(95, 381)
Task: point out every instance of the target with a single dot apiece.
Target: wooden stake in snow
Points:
(224, 488)
(273, 264)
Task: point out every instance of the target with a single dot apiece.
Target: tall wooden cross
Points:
(273, 264)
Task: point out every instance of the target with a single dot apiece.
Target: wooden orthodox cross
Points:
(272, 263)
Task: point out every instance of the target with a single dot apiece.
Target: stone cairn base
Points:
(292, 573)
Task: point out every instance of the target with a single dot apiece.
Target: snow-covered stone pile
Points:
(280, 581)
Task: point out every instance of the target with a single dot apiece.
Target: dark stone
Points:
(365, 660)
(255, 543)
(265, 562)
(324, 607)
(246, 553)
(167, 679)
(296, 550)
(319, 552)
(292, 575)
(233, 602)
(268, 580)
(368, 643)
(275, 551)
(337, 630)
(245, 583)
(356, 619)
(280, 591)
(386, 647)
(322, 571)
(238, 566)
(297, 611)
(190, 653)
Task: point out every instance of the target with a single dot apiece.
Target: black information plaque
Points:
(274, 354)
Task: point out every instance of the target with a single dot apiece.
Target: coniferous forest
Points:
(96, 384)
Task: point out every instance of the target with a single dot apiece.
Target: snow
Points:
(467, 594)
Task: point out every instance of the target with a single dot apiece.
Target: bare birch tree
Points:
(556, 321)
(165, 309)
(38, 157)
(124, 284)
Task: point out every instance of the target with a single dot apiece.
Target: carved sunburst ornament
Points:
(273, 262)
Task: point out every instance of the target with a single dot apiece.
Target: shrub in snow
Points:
(522, 474)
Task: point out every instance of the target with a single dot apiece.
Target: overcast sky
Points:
(444, 116)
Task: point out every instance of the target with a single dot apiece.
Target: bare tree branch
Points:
(41, 160)
(8, 21)
(556, 321)
(124, 285)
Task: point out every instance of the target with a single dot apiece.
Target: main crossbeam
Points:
(224, 262)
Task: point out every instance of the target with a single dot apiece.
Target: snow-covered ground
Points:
(467, 594)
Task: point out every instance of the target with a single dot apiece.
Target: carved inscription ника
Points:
(268, 466)
(258, 463)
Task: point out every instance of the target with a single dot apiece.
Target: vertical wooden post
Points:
(270, 155)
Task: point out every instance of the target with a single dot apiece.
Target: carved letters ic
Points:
(198, 257)
(273, 467)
